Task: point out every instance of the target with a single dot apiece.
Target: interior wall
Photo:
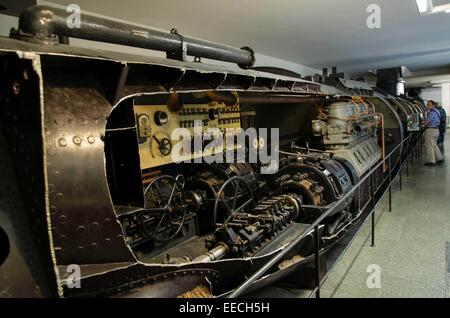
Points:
(6, 23)
(445, 93)
(433, 93)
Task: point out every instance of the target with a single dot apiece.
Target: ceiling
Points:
(309, 32)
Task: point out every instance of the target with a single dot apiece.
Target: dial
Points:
(214, 113)
(161, 118)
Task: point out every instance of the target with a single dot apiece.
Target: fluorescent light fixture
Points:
(426, 7)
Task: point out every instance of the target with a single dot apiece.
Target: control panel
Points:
(156, 123)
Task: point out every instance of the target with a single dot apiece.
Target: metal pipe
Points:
(317, 259)
(46, 24)
(282, 99)
(257, 98)
(390, 185)
(215, 254)
(372, 189)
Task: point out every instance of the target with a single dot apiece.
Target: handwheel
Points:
(235, 184)
(163, 195)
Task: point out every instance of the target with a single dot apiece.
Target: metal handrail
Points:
(312, 228)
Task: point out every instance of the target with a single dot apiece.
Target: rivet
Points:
(94, 226)
(62, 219)
(76, 140)
(91, 139)
(62, 142)
(94, 245)
(16, 88)
(53, 210)
(107, 240)
(81, 230)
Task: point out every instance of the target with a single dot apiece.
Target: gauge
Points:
(161, 118)
(214, 113)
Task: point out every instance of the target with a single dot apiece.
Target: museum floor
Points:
(412, 242)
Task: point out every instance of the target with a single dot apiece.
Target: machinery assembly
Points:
(90, 137)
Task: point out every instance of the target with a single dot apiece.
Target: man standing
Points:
(442, 126)
(432, 123)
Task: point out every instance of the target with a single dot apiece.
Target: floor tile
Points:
(410, 242)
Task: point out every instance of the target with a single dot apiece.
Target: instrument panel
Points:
(156, 124)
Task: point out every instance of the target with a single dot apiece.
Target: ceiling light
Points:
(426, 7)
(441, 8)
